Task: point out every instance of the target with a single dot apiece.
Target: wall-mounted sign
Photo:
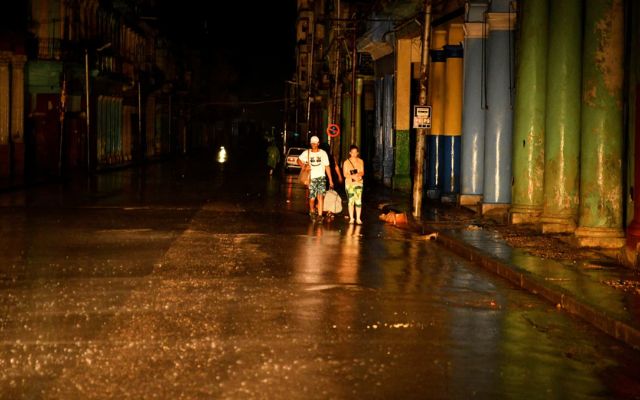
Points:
(421, 117)
(333, 130)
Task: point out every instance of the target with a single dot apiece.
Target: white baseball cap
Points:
(314, 139)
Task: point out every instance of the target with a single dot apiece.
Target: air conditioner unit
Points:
(377, 49)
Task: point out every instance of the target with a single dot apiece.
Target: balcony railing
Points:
(49, 48)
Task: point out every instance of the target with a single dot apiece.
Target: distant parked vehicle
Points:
(292, 158)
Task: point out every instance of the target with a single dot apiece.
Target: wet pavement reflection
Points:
(185, 280)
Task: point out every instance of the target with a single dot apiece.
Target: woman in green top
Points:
(273, 157)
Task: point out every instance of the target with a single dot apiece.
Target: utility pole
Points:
(310, 77)
(141, 134)
(354, 59)
(421, 133)
(87, 94)
(286, 118)
(335, 111)
(63, 106)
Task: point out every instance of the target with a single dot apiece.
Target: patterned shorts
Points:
(317, 187)
(354, 192)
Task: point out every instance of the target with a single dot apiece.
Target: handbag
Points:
(354, 171)
(305, 173)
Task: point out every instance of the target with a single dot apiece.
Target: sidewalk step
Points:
(579, 289)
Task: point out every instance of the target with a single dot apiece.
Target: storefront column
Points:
(453, 114)
(473, 117)
(5, 113)
(562, 147)
(600, 218)
(437, 88)
(529, 114)
(401, 177)
(498, 122)
(17, 112)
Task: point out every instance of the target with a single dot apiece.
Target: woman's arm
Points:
(345, 171)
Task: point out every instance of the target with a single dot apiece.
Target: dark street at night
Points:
(320, 199)
(188, 280)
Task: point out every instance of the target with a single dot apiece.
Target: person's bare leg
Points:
(351, 207)
(320, 204)
(312, 205)
(358, 213)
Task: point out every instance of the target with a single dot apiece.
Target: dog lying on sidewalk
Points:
(392, 215)
(394, 218)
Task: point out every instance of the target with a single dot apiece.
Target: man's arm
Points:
(327, 170)
(299, 160)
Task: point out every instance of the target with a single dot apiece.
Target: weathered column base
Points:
(470, 201)
(494, 208)
(604, 238)
(449, 198)
(558, 223)
(630, 256)
(523, 214)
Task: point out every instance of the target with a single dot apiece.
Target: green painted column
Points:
(600, 223)
(401, 179)
(562, 123)
(528, 139)
(402, 116)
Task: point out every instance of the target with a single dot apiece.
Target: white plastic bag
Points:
(332, 202)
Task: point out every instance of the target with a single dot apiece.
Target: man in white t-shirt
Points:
(318, 160)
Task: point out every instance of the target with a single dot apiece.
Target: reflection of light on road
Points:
(318, 254)
(350, 256)
(222, 155)
(289, 180)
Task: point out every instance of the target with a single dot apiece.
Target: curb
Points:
(558, 296)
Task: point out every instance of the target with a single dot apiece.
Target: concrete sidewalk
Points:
(584, 283)
(584, 289)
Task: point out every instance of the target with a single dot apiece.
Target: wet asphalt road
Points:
(191, 280)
